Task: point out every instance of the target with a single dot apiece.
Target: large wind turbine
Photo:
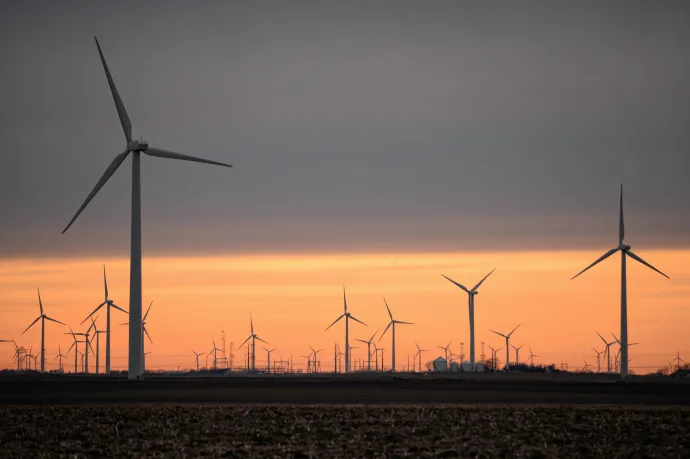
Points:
(624, 248)
(368, 343)
(42, 318)
(347, 316)
(108, 303)
(392, 322)
(253, 337)
(471, 293)
(507, 337)
(136, 147)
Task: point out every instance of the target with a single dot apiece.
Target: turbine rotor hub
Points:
(625, 246)
(137, 145)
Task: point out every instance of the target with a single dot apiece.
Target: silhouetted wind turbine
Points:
(136, 147)
(532, 356)
(599, 359)
(253, 337)
(98, 342)
(269, 357)
(472, 293)
(108, 303)
(419, 353)
(196, 354)
(446, 349)
(507, 337)
(368, 343)
(59, 356)
(517, 353)
(347, 316)
(608, 351)
(392, 322)
(624, 248)
(43, 319)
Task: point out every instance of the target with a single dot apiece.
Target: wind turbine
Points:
(517, 353)
(142, 331)
(368, 343)
(337, 360)
(43, 319)
(98, 342)
(75, 345)
(197, 354)
(471, 293)
(314, 352)
(392, 322)
(446, 350)
(678, 360)
(586, 367)
(347, 316)
(308, 357)
(624, 248)
(493, 358)
(59, 356)
(108, 303)
(253, 337)
(353, 347)
(419, 353)
(507, 337)
(620, 346)
(599, 358)
(608, 351)
(531, 357)
(269, 357)
(136, 147)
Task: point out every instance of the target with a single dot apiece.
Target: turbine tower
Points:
(253, 337)
(531, 357)
(98, 343)
(59, 356)
(269, 357)
(471, 293)
(42, 318)
(599, 358)
(136, 147)
(608, 351)
(392, 322)
(108, 303)
(347, 316)
(507, 337)
(624, 248)
(197, 354)
(517, 353)
(368, 343)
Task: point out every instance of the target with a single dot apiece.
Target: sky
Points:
(432, 133)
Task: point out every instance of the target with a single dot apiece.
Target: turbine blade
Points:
(104, 178)
(361, 341)
(160, 153)
(147, 311)
(372, 336)
(482, 281)
(40, 303)
(105, 283)
(121, 112)
(94, 311)
(344, 300)
(635, 257)
(243, 342)
(415, 343)
(147, 335)
(621, 227)
(32, 324)
(497, 333)
(118, 308)
(251, 322)
(601, 258)
(357, 320)
(602, 338)
(459, 285)
(335, 321)
(56, 321)
(388, 309)
(384, 332)
(513, 330)
(404, 323)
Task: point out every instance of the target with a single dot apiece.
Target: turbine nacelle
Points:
(624, 246)
(137, 145)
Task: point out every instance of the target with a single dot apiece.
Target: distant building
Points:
(440, 364)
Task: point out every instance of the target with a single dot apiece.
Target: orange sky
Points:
(293, 298)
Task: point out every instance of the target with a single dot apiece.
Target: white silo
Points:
(466, 366)
(479, 367)
(440, 364)
(454, 367)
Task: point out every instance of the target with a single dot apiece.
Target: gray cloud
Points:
(352, 126)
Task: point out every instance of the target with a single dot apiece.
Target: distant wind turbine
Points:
(507, 337)
(347, 316)
(253, 337)
(419, 354)
(43, 319)
(196, 354)
(608, 351)
(392, 322)
(136, 147)
(368, 343)
(142, 331)
(531, 357)
(472, 293)
(269, 357)
(599, 358)
(624, 248)
(98, 343)
(517, 353)
(59, 356)
(446, 349)
(108, 303)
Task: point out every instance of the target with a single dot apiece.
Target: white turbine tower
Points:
(624, 248)
(43, 319)
(368, 343)
(108, 303)
(392, 322)
(253, 337)
(136, 147)
(507, 337)
(347, 316)
(471, 293)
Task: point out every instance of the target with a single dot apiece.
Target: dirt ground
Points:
(246, 431)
